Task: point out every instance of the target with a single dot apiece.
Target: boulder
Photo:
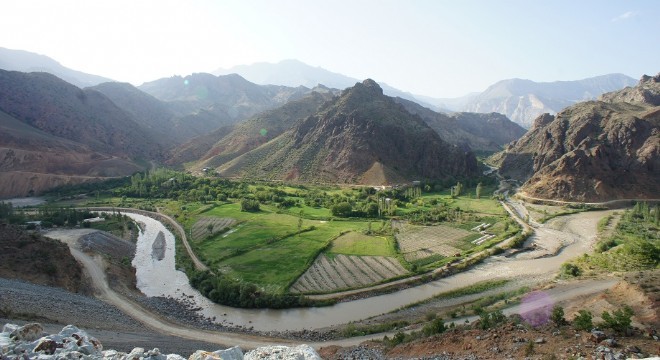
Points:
(233, 353)
(27, 332)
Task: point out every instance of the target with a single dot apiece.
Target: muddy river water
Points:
(158, 276)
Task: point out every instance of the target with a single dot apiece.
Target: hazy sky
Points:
(435, 48)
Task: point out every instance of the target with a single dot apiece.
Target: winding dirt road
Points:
(575, 234)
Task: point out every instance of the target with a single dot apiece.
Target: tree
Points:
(300, 221)
(583, 321)
(620, 320)
(250, 205)
(478, 191)
(557, 315)
(210, 227)
(457, 189)
(343, 209)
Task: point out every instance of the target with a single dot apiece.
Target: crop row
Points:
(345, 272)
(417, 242)
(200, 229)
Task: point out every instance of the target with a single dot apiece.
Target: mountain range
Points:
(25, 61)
(53, 132)
(594, 150)
(520, 100)
(361, 137)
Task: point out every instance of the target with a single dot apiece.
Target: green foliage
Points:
(437, 326)
(635, 244)
(557, 315)
(619, 321)
(343, 209)
(250, 205)
(568, 270)
(583, 321)
(490, 320)
(226, 291)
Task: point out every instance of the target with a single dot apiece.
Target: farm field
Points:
(356, 243)
(265, 248)
(418, 242)
(345, 272)
(201, 228)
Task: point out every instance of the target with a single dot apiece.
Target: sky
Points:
(435, 48)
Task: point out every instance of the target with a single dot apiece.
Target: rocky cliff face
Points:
(361, 137)
(593, 151)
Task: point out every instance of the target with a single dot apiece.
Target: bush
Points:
(490, 320)
(250, 205)
(568, 270)
(557, 315)
(342, 209)
(619, 321)
(583, 321)
(437, 326)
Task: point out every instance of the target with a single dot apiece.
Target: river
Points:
(156, 277)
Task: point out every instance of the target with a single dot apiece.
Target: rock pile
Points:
(29, 342)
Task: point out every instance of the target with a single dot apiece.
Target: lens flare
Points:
(536, 307)
(263, 132)
(186, 82)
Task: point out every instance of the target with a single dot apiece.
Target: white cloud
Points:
(625, 16)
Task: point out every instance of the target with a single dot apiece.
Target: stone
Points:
(27, 332)
(540, 341)
(8, 328)
(609, 343)
(46, 345)
(597, 336)
(300, 352)
(135, 354)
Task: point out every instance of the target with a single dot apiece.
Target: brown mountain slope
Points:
(360, 137)
(481, 132)
(249, 134)
(86, 116)
(592, 151)
(32, 160)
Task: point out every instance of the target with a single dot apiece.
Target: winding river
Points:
(572, 234)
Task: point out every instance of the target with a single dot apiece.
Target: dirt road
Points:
(576, 234)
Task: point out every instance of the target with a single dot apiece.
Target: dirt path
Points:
(94, 269)
(576, 233)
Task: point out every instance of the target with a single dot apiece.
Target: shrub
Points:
(583, 321)
(568, 270)
(620, 320)
(250, 205)
(437, 326)
(557, 315)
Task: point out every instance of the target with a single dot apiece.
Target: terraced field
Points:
(200, 229)
(418, 242)
(344, 272)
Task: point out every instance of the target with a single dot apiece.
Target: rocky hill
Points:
(481, 132)
(164, 119)
(25, 61)
(592, 151)
(524, 100)
(361, 137)
(56, 107)
(33, 160)
(229, 96)
(224, 144)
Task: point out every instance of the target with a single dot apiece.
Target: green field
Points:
(265, 247)
(356, 243)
